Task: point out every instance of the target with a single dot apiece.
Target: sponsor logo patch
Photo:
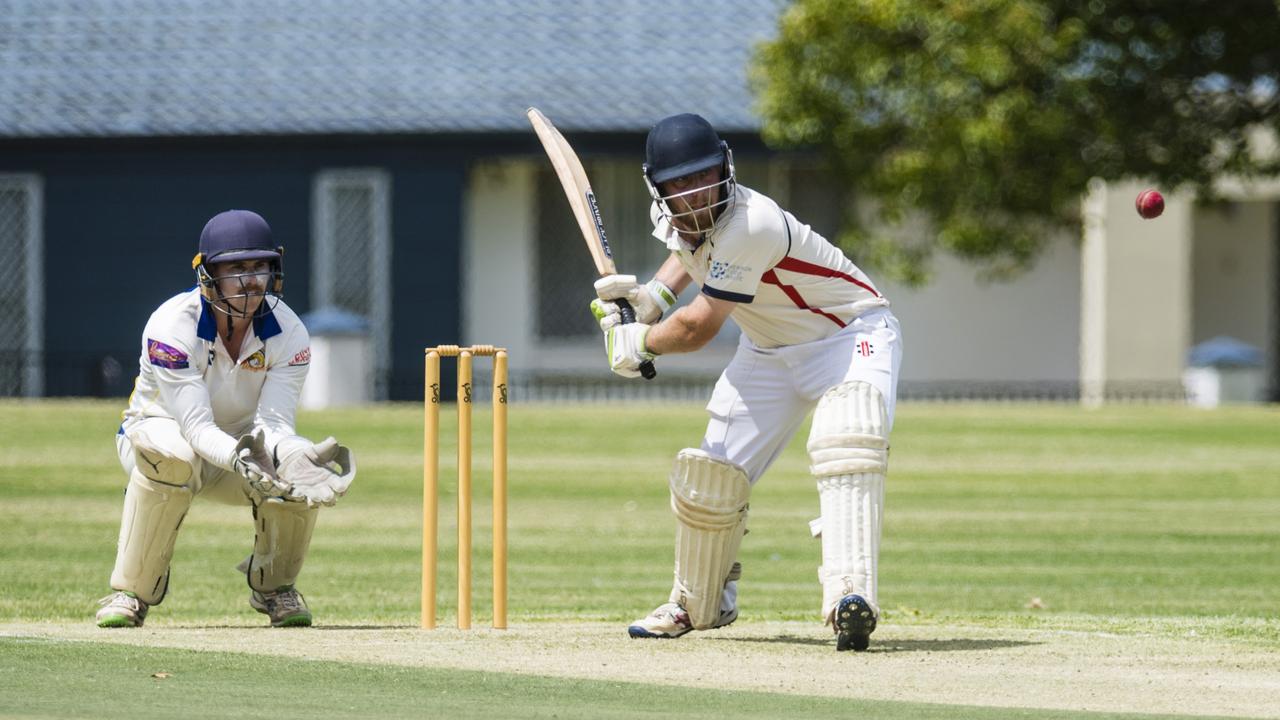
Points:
(166, 356)
(865, 348)
(256, 361)
(302, 358)
(724, 271)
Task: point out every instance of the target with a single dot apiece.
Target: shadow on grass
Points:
(894, 646)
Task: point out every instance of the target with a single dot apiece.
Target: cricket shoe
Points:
(669, 620)
(854, 622)
(121, 609)
(286, 607)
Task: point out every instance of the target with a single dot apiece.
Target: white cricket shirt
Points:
(792, 286)
(186, 374)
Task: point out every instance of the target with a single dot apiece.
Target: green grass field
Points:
(1153, 522)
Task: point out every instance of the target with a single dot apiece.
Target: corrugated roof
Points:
(191, 67)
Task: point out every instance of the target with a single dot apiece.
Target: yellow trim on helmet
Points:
(197, 260)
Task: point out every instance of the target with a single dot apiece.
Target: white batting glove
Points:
(253, 462)
(650, 301)
(317, 473)
(625, 347)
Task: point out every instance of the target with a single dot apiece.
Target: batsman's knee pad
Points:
(282, 535)
(161, 454)
(848, 451)
(709, 498)
(153, 512)
(849, 432)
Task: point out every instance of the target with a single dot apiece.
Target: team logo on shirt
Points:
(166, 356)
(721, 270)
(302, 358)
(256, 361)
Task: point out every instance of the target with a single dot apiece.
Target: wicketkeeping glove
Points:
(625, 347)
(317, 473)
(253, 462)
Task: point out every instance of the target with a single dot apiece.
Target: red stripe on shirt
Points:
(800, 266)
(771, 278)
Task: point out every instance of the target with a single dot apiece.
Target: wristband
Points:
(662, 295)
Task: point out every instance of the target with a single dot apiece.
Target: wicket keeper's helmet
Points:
(232, 236)
(682, 145)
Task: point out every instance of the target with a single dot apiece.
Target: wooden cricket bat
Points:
(585, 209)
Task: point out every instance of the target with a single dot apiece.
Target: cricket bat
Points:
(585, 209)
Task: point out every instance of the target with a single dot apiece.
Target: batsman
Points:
(212, 416)
(816, 336)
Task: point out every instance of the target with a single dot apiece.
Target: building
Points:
(386, 144)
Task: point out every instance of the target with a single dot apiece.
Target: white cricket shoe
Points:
(121, 609)
(286, 607)
(670, 620)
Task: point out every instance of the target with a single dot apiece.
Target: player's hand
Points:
(315, 473)
(253, 462)
(650, 300)
(625, 347)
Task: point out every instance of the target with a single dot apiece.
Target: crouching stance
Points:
(815, 334)
(212, 415)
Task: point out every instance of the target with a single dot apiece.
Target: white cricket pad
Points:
(153, 512)
(848, 450)
(282, 534)
(709, 498)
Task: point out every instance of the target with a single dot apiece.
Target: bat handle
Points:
(628, 313)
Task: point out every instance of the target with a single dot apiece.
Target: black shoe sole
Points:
(854, 623)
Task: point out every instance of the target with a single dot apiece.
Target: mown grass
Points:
(1132, 518)
(1137, 519)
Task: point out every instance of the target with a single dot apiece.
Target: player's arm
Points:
(673, 275)
(691, 327)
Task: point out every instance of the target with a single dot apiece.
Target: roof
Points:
(77, 68)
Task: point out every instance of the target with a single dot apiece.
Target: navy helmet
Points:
(237, 235)
(232, 236)
(682, 145)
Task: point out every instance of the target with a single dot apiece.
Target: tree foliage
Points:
(989, 118)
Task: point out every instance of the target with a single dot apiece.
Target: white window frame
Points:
(324, 242)
(33, 246)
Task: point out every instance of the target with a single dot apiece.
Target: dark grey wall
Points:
(122, 218)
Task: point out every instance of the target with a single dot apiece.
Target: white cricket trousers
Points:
(765, 394)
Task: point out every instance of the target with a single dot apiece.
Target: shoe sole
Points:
(854, 623)
(117, 621)
(636, 631)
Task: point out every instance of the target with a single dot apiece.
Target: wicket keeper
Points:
(816, 335)
(212, 415)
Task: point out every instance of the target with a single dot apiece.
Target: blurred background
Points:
(979, 162)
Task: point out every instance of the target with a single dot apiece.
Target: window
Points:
(21, 286)
(351, 258)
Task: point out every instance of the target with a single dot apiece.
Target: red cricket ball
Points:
(1150, 203)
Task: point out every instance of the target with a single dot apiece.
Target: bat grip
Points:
(628, 313)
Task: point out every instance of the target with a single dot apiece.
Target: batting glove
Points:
(625, 347)
(650, 300)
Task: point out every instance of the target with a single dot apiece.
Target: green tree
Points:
(989, 118)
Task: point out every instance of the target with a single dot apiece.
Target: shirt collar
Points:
(264, 326)
(207, 328)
